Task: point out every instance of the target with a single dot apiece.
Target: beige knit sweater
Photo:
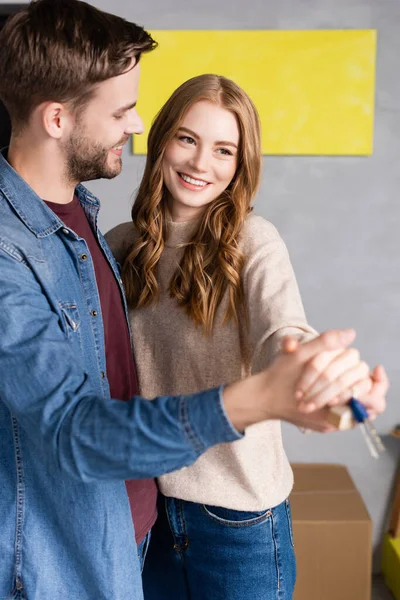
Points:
(174, 357)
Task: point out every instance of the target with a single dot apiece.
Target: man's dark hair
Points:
(59, 50)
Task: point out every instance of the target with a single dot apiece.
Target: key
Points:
(371, 437)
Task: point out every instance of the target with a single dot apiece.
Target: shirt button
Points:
(103, 374)
(65, 231)
(84, 256)
(94, 313)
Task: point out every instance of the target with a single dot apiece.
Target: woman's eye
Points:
(118, 117)
(186, 139)
(225, 151)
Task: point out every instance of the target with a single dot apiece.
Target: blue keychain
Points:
(372, 439)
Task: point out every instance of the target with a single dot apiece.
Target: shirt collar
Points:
(30, 208)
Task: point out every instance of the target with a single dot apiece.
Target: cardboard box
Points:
(332, 535)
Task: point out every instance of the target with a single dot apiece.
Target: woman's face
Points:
(200, 161)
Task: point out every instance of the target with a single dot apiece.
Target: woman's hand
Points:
(333, 377)
(375, 400)
(270, 394)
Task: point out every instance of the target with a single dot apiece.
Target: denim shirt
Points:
(66, 447)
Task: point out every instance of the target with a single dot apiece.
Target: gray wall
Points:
(338, 216)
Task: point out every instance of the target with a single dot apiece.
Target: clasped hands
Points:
(330, 378)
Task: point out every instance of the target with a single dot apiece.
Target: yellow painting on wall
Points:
(314, 90)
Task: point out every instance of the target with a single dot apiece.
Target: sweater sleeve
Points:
(273, 301)
(120, 239)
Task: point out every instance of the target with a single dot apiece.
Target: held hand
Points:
(323, 392)
(375, 400)
(271, 393)
(370, 392)
(331, 378)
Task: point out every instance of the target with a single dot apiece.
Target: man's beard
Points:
(87, 160)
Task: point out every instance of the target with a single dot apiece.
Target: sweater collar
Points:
(180, 232)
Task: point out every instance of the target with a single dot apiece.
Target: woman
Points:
(212, 293)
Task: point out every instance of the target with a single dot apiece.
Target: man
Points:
(69, 79)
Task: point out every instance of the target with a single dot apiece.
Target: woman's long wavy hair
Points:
(212, 261)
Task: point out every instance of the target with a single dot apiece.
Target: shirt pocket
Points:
(71, 322)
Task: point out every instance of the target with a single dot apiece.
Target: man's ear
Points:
(56, 119)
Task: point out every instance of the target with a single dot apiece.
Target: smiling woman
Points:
(197, 160)
(226, 295)
(204, 160)
(212, 293)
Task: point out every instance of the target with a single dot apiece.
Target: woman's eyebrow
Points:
(219, 143)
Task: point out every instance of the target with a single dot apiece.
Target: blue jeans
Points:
(200, 552)
(143, 548)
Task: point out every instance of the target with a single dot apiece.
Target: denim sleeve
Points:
(45, 387)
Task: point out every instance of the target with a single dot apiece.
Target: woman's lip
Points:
(192, 176)
(191, 186)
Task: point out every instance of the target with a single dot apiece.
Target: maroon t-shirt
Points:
(121, 370)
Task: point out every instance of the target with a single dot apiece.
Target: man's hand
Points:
(271, 393)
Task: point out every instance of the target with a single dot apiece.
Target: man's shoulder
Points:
(4, 205)
(14, 234)
(120, 238)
